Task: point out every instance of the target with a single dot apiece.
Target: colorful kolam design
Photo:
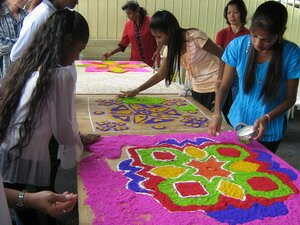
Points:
(113, 66)
(189, 179)
(150, 112)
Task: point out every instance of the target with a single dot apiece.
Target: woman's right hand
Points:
(126, 94)
(107, 55)
(215, 125)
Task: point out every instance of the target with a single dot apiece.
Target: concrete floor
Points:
(288, 150)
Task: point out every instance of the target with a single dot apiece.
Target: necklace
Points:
(258, 81)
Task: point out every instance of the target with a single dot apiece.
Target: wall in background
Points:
(106, 20)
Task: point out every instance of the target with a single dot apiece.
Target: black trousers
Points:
(272, 146)
(205, 99)
(53, 150)
(227, 105)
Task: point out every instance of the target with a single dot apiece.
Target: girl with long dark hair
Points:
(268, 68)
(189, 48)
(37, 100)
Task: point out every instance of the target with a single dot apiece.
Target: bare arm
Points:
(45, 201)
(112, 52)
(285, 105)
(156, 56)
(214, 49)
(221, 95)
(156, 78)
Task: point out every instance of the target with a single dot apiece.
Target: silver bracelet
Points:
(20, 202)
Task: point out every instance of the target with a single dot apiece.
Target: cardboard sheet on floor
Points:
(109, 115)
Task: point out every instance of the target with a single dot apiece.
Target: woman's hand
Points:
(215, 125)
(51, 203)
(126, 94)
(156, 58)
(88, 139)
(107, 55)
(260, 127)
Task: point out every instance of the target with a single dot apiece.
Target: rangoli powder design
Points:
(113, 66)
(153, 112)
(189, 179)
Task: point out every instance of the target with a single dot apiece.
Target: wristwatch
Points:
(20, 202)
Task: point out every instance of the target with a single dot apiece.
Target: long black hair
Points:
(272, 17)
(47, 48)
(165, 22)
(135, 7)
(241, 7)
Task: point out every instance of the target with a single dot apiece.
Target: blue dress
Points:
(247, 108)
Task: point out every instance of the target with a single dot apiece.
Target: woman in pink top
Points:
(136, 33)
(235, 13)
(189, 48)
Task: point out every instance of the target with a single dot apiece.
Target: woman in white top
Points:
(191, 49)
(37, 101)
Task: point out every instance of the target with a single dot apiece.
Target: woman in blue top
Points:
(268, 68)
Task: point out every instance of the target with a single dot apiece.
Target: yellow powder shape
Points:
(101, 66)
(244, 166)
(139, 118)
(110, 62)
(168, 171)
(231, 190)
(116, 70)
(195, 152)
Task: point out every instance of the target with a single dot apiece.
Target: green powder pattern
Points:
(142, 100)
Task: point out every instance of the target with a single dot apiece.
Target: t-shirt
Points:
(226, 35)
(247, 108)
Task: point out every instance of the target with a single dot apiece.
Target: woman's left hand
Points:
(88, 139)
(260, 127)
(51, 203)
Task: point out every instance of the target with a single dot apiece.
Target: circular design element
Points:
(229, 152)
(158, 127)
(164, 156)
(98, 112)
